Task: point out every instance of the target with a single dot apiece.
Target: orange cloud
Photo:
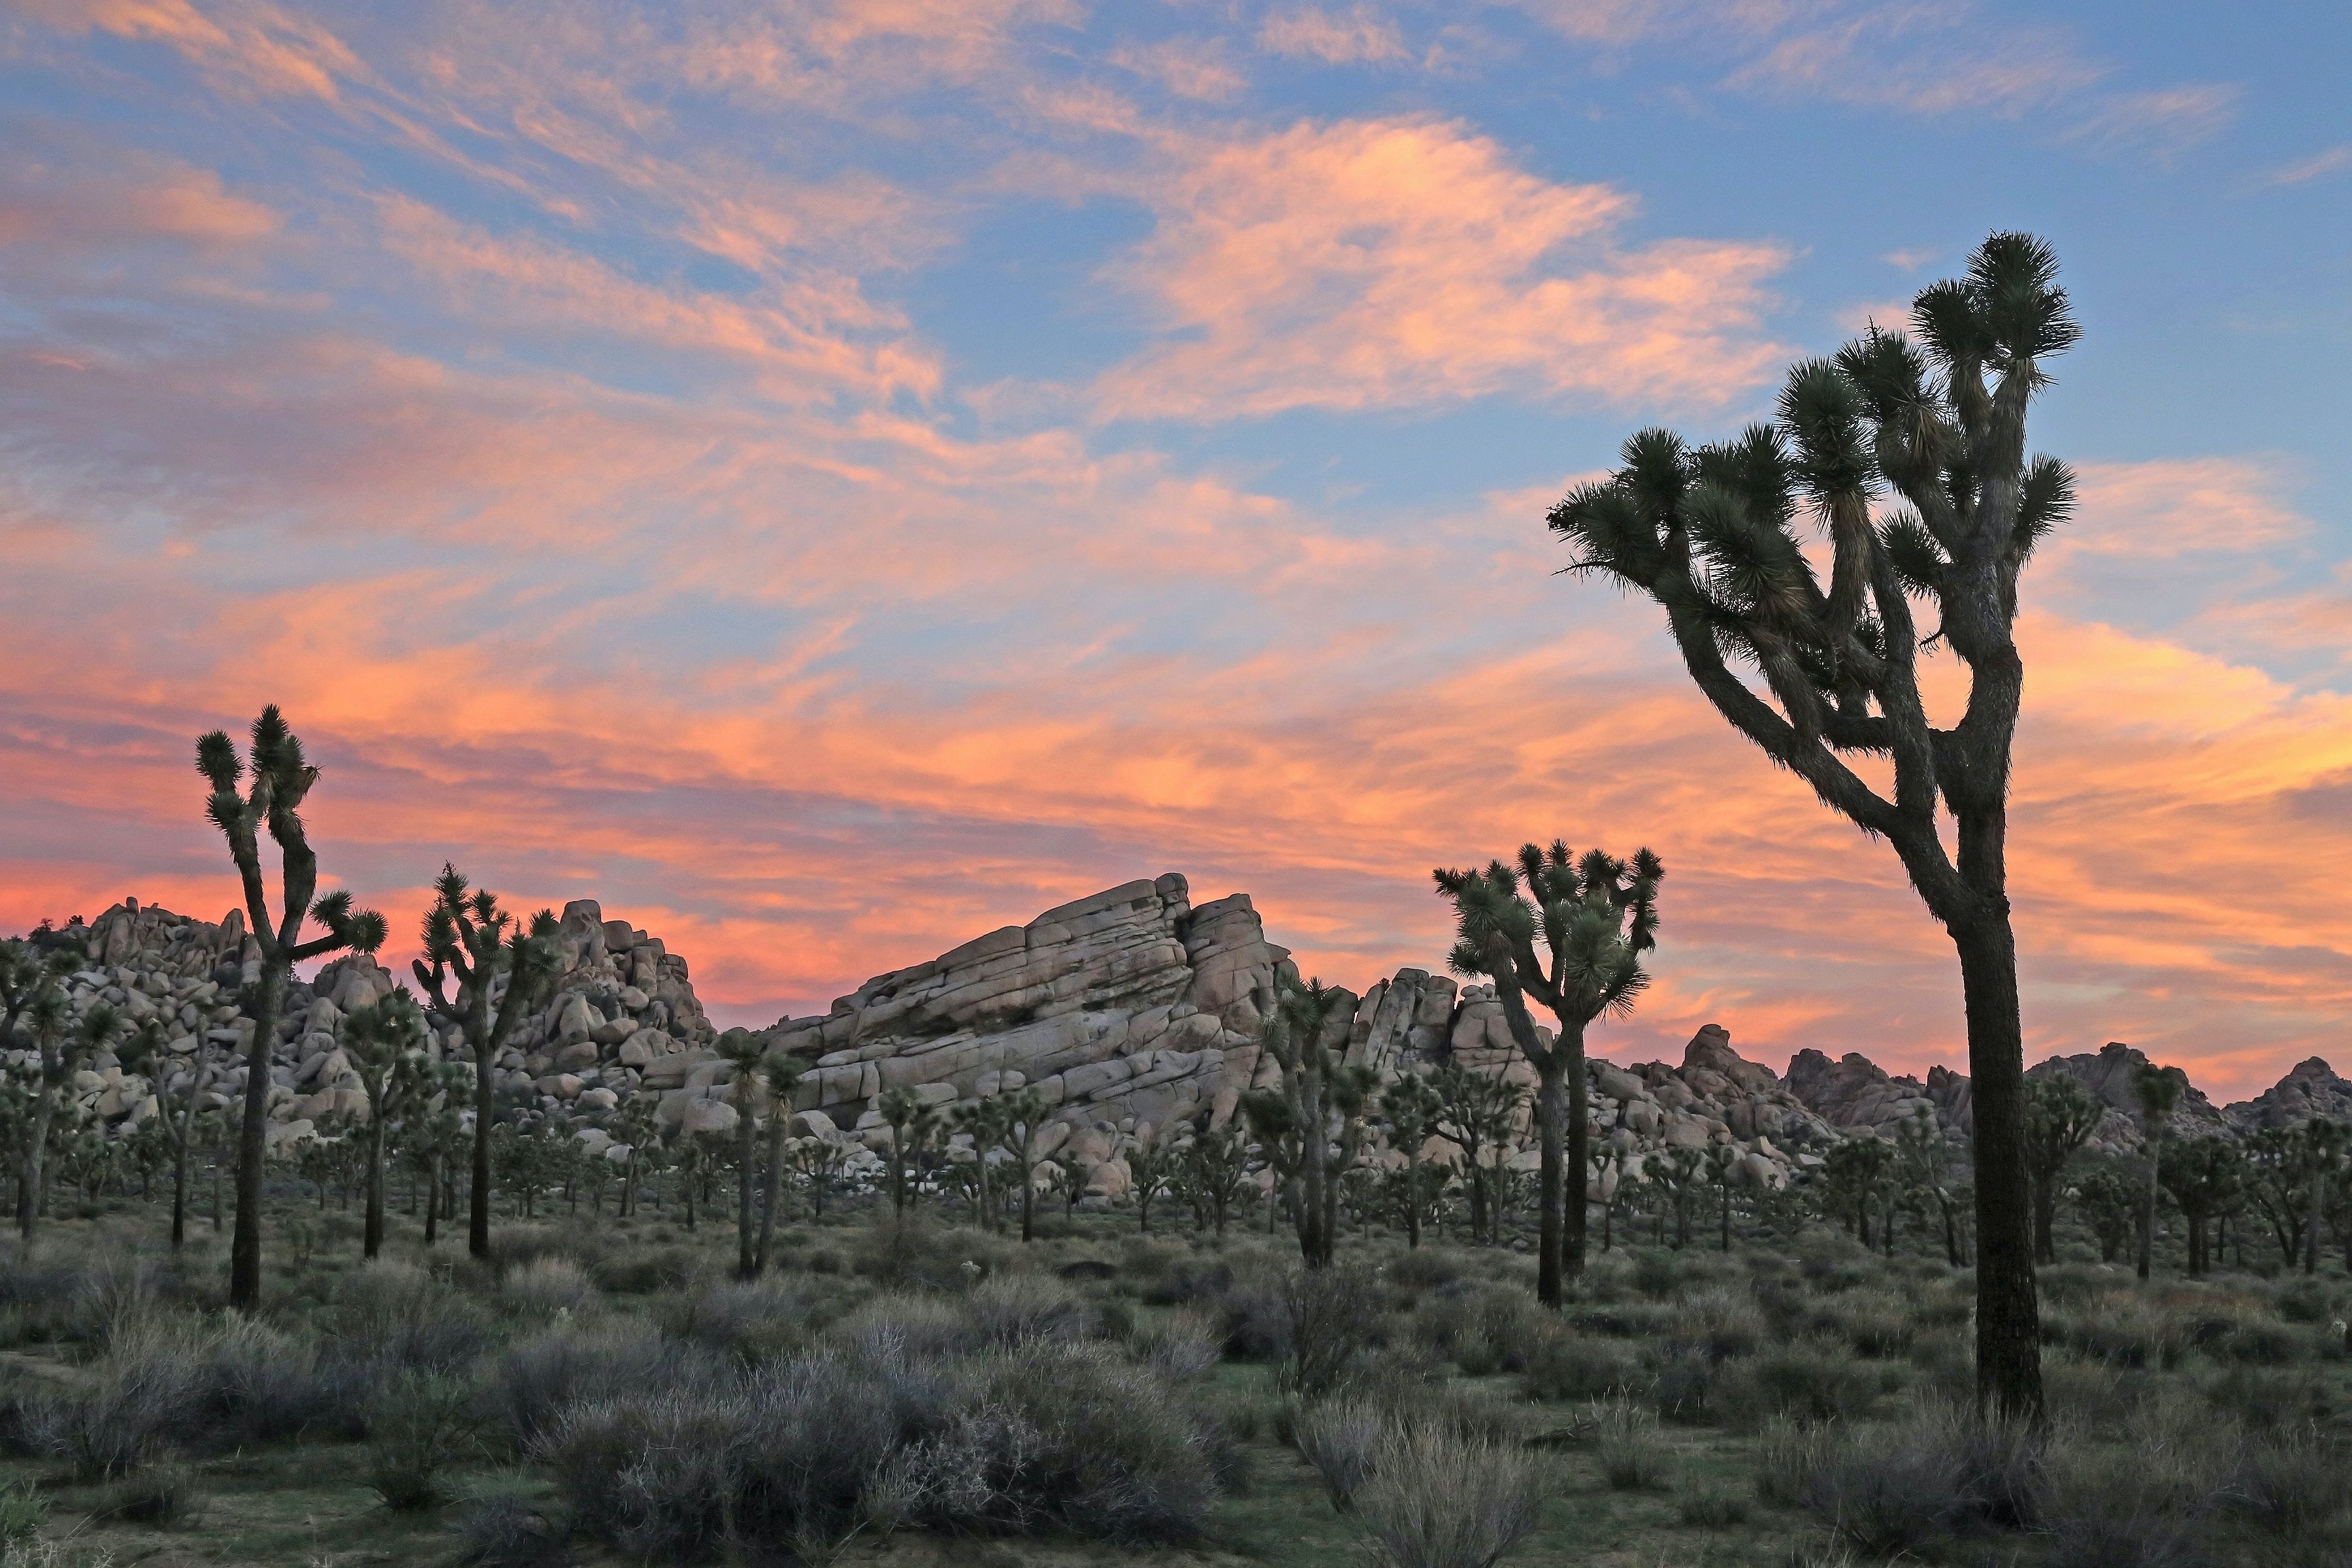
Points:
(242, 44)
(1375, 263)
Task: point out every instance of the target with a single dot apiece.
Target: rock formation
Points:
(1131, 1011)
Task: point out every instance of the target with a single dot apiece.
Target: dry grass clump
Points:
(1635, 1456)
(548, 1287)
(1938, 1473)
(1438, 1499)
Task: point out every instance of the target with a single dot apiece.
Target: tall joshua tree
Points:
(1475, 1112)
(1594, 916)
(1305, 1032)
(2325, 1141)
(1711, 534)
(281, 779)
(470, 943)
(2060, 1117)
(2157, 1090)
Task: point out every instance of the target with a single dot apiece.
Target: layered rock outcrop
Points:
(1130, 1010)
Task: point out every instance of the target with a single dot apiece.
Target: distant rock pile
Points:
(1131, 1012)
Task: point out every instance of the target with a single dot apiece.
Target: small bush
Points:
(1337, 1437)
(1633, 1456)
(1940, 1473)
(1011, 1310)
(1787, 1454)
(421, 1426)
(1181, 1347)
(2291, 1483)
(537, 1381)
(1436, 1499)
(747, 1318)
(159, 1494)
(503, 1530)
(1808, 1381)
(23, 1511)
(1334, 1321)
(1562, 1364)
(548, 1287)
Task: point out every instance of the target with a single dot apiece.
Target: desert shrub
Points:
(1875, 1323)
(547, 1287)
(1180, 1346)
(1624, 1319)
(394, 1319)
(918, 1252)
(1658, 1274)
(1256, 1318)
(1436, 1499)
(536, 1380)
(158, 1495)
(1718, 1323)
(1426, 1268)
(1334, 1322)
(2292, 1482)
(1787, 1454)
(420, 1425)
(23, 1511)
(2135, 1505)
(1684, 1386)
(1562, 1364)
(1040, 1434)
(1011, 1309)
(2256, 1343)
(2272, 1398)
(2306, 1301)
(747, 1318)
(1481, 1329)
(2122, 1329)
(1808, 1381)
(645, 1271)
(503, 1530)
(1939, 1473)
(1337, 1437)
(1632, 1454)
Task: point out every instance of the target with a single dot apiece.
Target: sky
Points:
(830, 479)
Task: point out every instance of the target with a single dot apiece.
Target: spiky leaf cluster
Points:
(1572, 927)
(1905, 453)
(281, 778)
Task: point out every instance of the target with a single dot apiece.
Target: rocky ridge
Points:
(1133, 1011)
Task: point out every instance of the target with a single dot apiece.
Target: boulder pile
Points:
(1132, 1012)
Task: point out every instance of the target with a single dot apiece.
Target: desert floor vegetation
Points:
(917, 1392)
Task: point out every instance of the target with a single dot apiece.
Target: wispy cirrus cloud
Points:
(2318, 166)
(1359, 35)
(1372, 264)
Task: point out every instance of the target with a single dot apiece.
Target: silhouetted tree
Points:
(913, 1123)
(61, 1043)
(1318, 1105)
(2203, 1175)
(2324, 1142)
(1711, 536)
(1475, 1112)
(384, 1043)
(1411, 1105)
(1594, 916)
(282, 781)
(2158, 1092)
(471, 941)
(2060, 1117)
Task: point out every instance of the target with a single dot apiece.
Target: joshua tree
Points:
(1020, 1121)
(1711, 534)
(1215, 1169)
(2279, 1175)
(818, 1161)
(1411, 1105)
(912, 1125)
(2060, 1117)
(1069, 1185)
(2325, 1140)
(783, 1074)
(1923, 1161)
(26, 975)
(748, 1055)
(1856, 1168)
(2203, 1175)
(1151, 1168)
(2158, 1092)
(1305, 1031)
(983, 1119)
(1722, 1163)
(282, 781)
(468, 938)
(1475, 1112)
(1594, 916)
(384, 1041)
(62, 1045)
(178, 1115)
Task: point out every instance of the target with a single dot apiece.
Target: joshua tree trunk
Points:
(372, 1242)
(2009, 1333)
(1553, 1247)
(769, 1182)
(252, 1136)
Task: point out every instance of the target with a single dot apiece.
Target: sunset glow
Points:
(828, 479)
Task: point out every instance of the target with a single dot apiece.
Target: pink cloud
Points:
(1355, 36)
(1377, 263)
(2172, 506)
